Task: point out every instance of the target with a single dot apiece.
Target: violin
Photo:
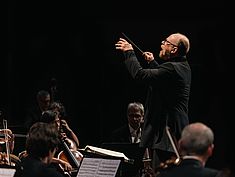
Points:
(169, 163)
(174, 160)
(7, 147)
(4, 159)
(6, 139)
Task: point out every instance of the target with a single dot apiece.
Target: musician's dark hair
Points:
(42, 93)
(48, 116)
(56, 105)
(41, 139)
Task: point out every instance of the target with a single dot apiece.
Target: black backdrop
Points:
(74, 43)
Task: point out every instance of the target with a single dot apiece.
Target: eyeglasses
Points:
(165, 41)
(137, 116)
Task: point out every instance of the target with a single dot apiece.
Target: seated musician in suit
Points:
(130, 132)
(195, 147)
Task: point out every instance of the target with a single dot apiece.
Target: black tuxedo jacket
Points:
(166, 101)
(32, 167)
(189, 168)
(121, 135)
(32, 116)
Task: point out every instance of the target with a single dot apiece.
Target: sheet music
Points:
(7, 172)
(106, 152)
(97, 167)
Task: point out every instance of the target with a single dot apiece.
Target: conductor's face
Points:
(168, 48)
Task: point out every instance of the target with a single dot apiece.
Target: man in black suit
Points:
(195, 146)
(127, 138)
(168, 93)
(130, 132)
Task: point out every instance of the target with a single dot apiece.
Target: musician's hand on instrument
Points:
(63, 136)
(148, 56)
(65, 125)
(123, 45)
(66, 165)
(6, 131)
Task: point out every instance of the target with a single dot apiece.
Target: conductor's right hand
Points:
(148, 56)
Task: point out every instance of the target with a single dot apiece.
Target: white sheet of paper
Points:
(98, 167)
(7, 172)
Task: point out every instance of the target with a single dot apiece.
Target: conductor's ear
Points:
(174, 49)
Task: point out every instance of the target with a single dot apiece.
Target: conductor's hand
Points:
(123, 45)
(148, 56)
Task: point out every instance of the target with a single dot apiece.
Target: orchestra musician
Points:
(7, 143)
(68, 157)
(63, 164)
(195, 148)
(41, 145)
(62, 124)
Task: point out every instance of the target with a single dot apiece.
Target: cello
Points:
(70, 155)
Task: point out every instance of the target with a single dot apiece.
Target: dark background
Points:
(73, 42)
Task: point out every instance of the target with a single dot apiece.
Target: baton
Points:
(132, 42)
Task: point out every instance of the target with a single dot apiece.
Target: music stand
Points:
(133, 151)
